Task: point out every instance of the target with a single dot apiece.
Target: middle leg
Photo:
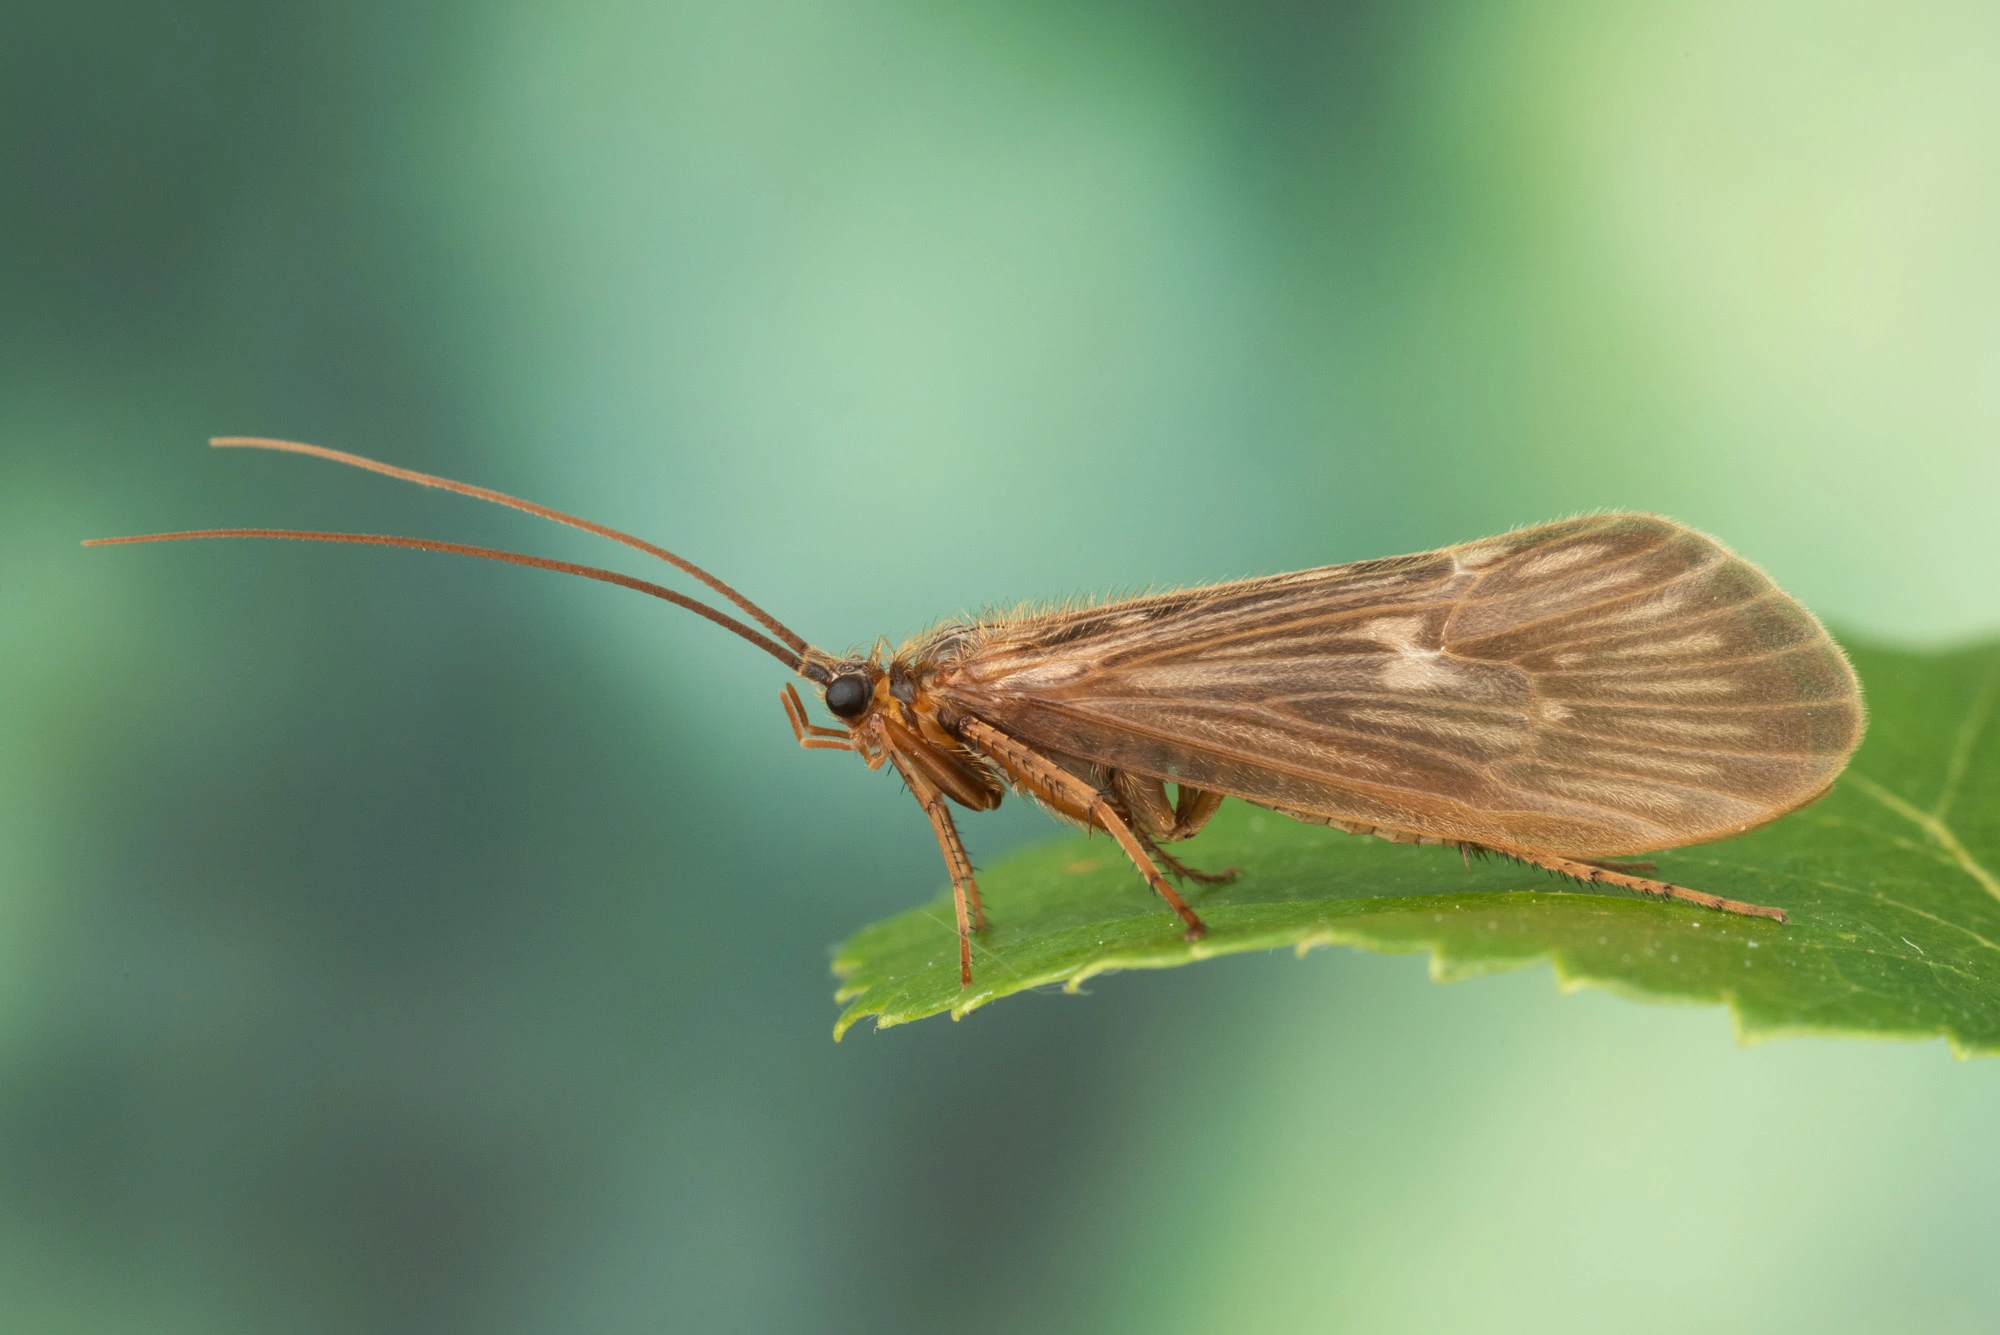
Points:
(1044, 774)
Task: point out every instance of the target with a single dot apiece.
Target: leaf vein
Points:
(1932, 826)
(1961, 750)
(1875, 895)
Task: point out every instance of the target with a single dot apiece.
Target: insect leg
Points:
(1180, 870)
(1045, 773)
(1591, 873)
(955, 861)
(1156, 822)
(1192, 809)
(1145, 799)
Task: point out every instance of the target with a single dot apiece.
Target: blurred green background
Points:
(394, 943)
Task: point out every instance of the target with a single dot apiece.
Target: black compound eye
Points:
(848, 696)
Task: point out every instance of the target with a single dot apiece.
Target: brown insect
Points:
(1561, 694)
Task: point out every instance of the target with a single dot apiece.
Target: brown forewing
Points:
(1598, 686)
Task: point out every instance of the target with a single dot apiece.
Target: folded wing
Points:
(1597, 686)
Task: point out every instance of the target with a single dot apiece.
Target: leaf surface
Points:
(1891, 882)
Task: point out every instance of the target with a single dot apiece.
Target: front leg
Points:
(964, 890)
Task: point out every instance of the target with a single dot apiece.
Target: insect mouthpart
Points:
(848, 694)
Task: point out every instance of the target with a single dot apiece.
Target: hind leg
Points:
(1596, 873)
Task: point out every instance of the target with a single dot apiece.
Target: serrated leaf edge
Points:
(1443, 966)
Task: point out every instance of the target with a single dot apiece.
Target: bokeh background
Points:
(395, 943)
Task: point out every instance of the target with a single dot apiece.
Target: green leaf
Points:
(1892, 884)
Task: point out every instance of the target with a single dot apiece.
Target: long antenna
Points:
(763, 618)
(788, 657)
